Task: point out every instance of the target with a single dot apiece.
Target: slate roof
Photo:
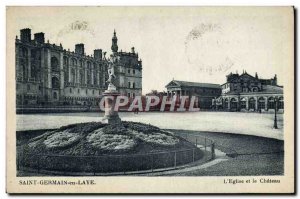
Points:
(272, 89)
(193, 84)
(266, 89)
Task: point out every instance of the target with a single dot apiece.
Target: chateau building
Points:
(49, 75)
(204, 92)
(247, 93)
(128, 70)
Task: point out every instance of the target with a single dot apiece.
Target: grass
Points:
(255, 155)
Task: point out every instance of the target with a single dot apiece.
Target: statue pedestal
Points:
(111, 116)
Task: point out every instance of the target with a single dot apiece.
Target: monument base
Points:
(111, 115)
(111, 120)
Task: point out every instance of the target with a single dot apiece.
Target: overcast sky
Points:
(189, 44)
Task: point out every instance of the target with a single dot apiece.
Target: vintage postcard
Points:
(150, 100)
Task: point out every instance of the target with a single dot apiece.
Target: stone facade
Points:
(48, 74)
(247, 93)
(204, 92)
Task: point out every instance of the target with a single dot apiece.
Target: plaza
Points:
(257, 124)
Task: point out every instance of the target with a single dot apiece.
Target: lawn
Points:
(255, 156)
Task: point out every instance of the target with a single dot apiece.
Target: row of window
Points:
(133, 71)
(131, 85)
(86, 91)
(130, 95)
(261, 105)
(81, 63)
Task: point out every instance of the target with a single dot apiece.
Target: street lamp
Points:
(275, 117)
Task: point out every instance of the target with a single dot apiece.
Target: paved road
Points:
(227, 122)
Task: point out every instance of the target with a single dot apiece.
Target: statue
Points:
(111, 73)
(110, 95)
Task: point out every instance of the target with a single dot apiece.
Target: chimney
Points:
(98, 54)
(79, 49)
(25, 35)
(39, 37)
(132, 50)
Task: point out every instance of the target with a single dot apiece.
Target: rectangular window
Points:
(133, 71)
(128, 94)
(129, 71)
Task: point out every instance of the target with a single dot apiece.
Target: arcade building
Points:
(49, 75)
(247, 93)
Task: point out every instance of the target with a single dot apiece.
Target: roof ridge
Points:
(196, 82)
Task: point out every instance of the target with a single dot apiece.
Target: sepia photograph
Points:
(162, 99)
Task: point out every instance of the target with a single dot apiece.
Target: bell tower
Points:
(114, 46)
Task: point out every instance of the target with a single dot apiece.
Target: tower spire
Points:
(114, 46)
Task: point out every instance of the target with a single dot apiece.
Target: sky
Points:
(199, 44)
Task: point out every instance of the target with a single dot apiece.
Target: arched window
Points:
(89, 77)
(233, 103)
(89, 73)
(271, 103)
(54, 64)
(55, 95)
(280, 103)
(95, 78)
(243, 103)
(226, 103)
(133, 85)
(66, 61)
(129, 85)
(261, 103)
(81, 77)
(251, 103)
(73, 75)
(55, 83)
(74, 62)
(24, 71)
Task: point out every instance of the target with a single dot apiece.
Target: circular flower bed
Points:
(158, 138)
(100, 140)
(97, 147)
(61, 139)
